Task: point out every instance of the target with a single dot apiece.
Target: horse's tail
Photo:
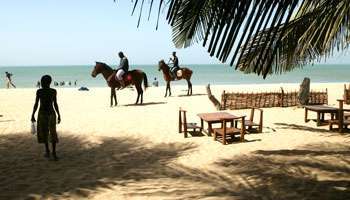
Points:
(145, 81)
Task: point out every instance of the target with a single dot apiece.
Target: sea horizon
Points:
(216, 74)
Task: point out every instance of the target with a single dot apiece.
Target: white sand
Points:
(135, 152)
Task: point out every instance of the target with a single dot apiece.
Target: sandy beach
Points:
(136, 152)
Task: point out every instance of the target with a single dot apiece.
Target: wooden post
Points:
(224, 135)
(185, 124)
(306, 112)
(282, 97)
(261, 121)
(341, 115)
(304, 92)
(212, 98)
(242, 129)
(180, 121)
(224, 98)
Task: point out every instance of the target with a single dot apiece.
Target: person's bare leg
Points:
(47, 150)
(54, 151)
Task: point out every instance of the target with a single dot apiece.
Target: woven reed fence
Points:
(239, 100)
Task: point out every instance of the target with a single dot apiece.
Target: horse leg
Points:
(138, 93)
(189, 87)
(115, 97)
(169, 89)
(166, 89)
(141, 96)
(112, 89)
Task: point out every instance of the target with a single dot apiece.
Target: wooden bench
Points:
(231, 131)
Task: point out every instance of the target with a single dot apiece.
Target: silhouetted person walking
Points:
(46, 125)
(9, 80)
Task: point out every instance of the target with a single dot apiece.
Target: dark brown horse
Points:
(186, 74)
(133, 77)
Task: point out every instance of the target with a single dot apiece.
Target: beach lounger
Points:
(226, 132)
(184, 126)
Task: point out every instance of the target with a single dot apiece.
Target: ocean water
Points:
(27, 76)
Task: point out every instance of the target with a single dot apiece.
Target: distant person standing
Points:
(75, 83)
(46, 125)
(155, 82)
(38, 84)
(9, 80)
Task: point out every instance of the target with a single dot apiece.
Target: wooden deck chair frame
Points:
(184, 126)
(252, 126)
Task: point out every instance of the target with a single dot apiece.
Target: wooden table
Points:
(214, 118)
(320, 110)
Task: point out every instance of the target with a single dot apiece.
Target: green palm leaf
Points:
(260, 36)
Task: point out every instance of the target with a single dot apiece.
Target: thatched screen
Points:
(237, 100)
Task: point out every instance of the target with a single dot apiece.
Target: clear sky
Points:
(59, 32)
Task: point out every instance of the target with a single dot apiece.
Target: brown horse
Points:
(133, 77)
(186, 74)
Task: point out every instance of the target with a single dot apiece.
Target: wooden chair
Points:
(184, 126)
(342, 121)
(251, 125)
(230, 131)
(346, 98)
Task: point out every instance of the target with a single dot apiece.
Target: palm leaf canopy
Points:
(260, 36)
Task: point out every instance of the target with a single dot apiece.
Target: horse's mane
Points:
(104, 65)
(164, 64)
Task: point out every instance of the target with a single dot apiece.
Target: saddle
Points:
(177, 75)
(113, 78)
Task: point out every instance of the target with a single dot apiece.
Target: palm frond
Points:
(260, 36)
(317, 30)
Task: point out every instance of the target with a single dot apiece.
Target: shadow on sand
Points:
(300, 128)
(9, 120)
(83, 166)
(138, 169)
(309, 129)
(184, 95)
(147, 104)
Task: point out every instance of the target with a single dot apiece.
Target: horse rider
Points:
(122, 69)
(175, 61)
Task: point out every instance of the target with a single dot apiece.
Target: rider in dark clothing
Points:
(175, 62)
(122, 69)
